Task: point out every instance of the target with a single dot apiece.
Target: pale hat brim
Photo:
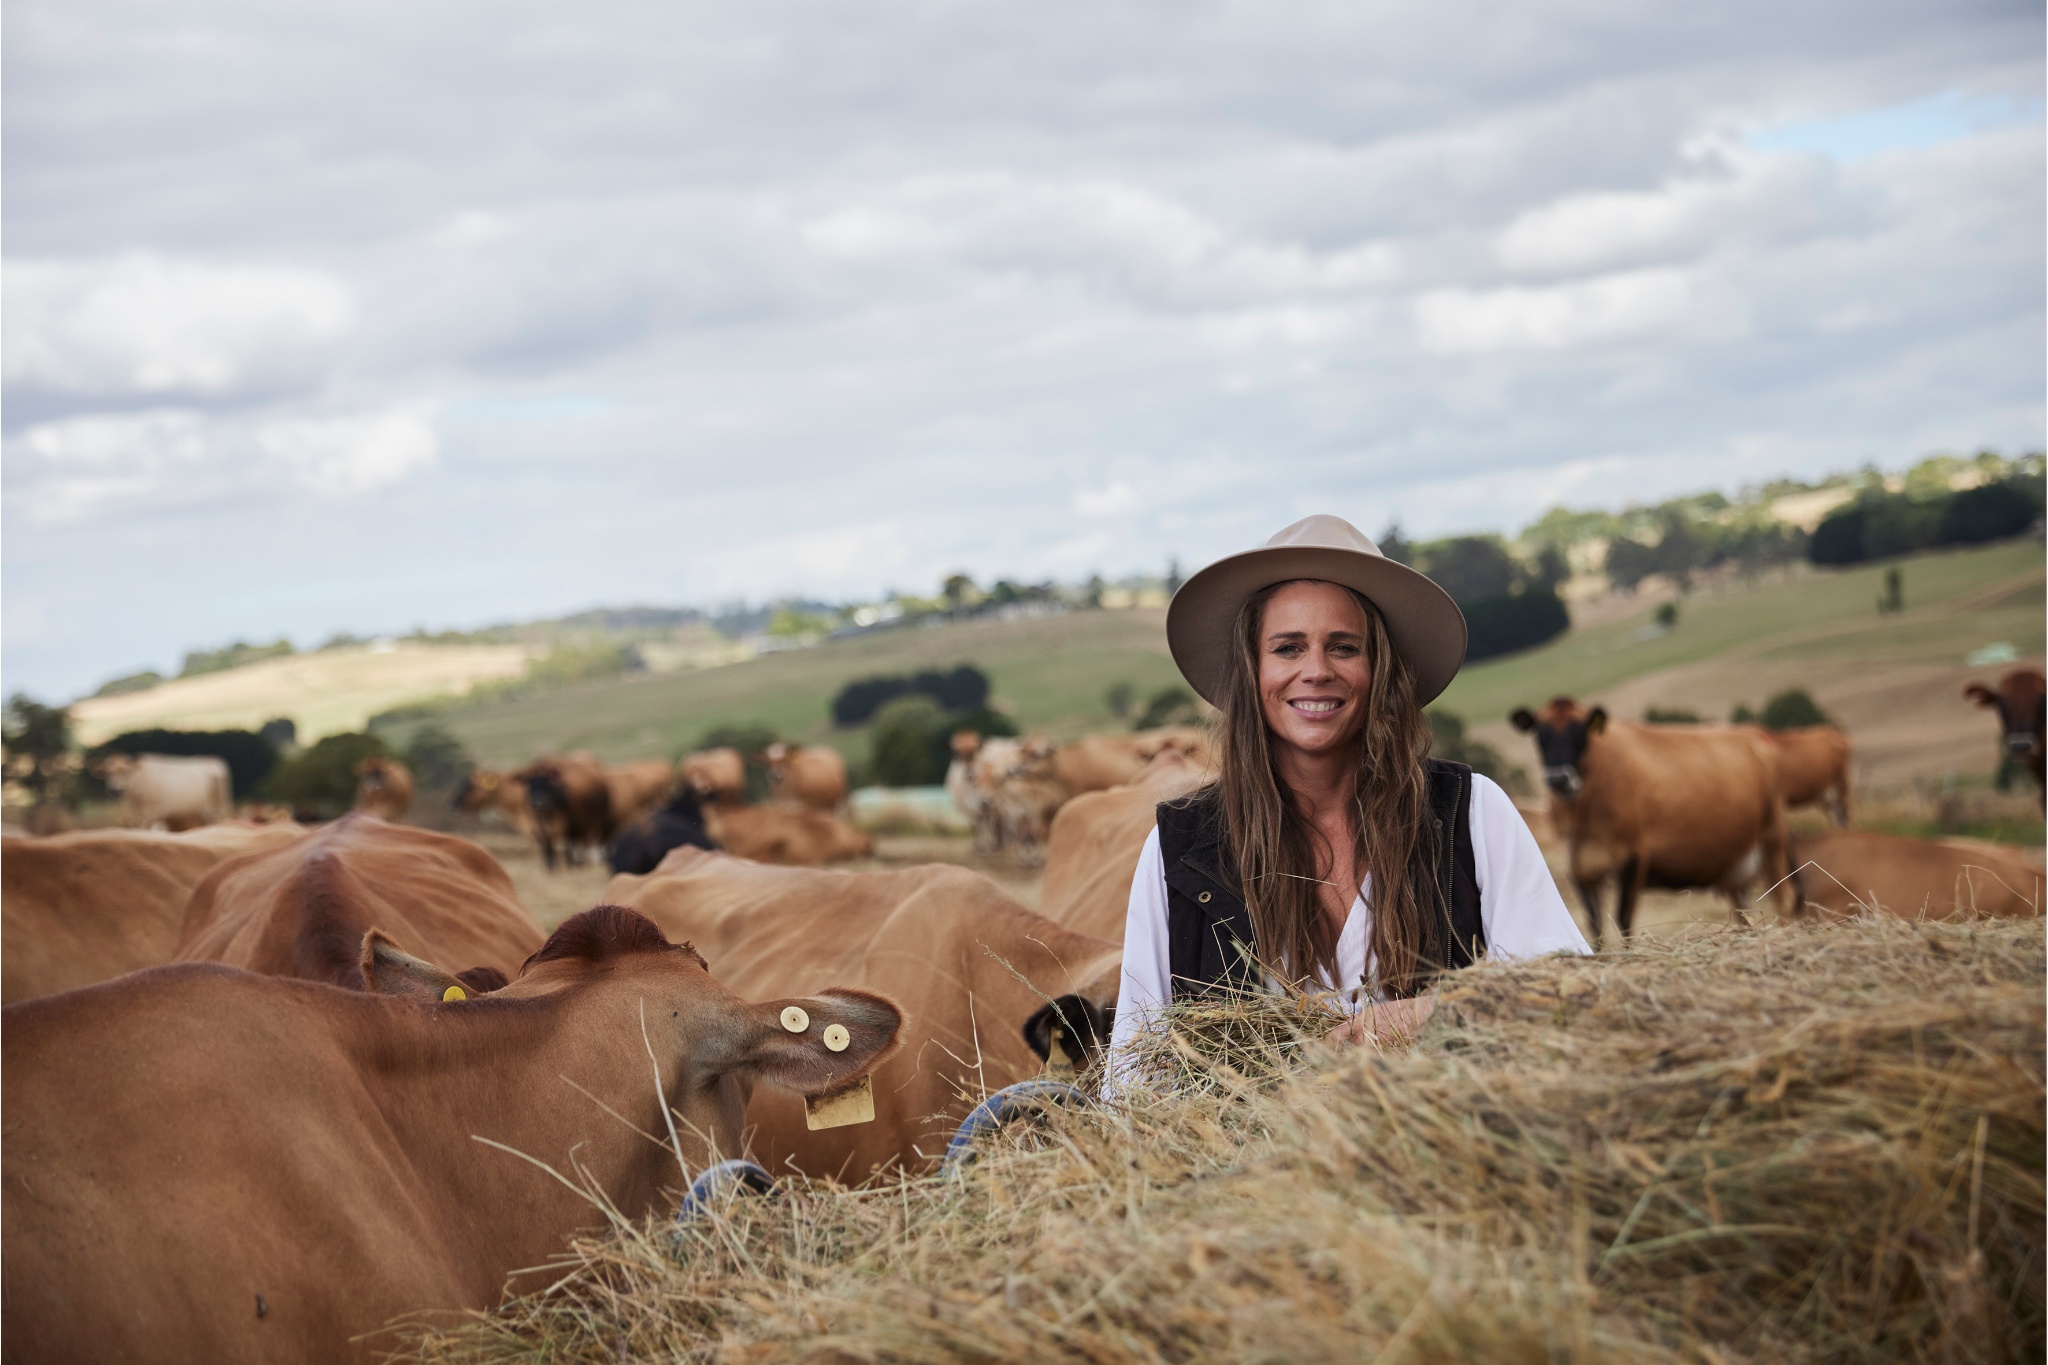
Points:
(1427, 628)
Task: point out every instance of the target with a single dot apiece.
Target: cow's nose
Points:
(2022, 744)
(1562, 780)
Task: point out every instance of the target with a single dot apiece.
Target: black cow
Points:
(642, 847)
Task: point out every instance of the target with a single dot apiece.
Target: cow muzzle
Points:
(1563, 779)
(2023, 743)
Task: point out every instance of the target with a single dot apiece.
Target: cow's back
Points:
(1845, 871)
(86, 906)
(302, 910)
(1697, 802)
(1092, 852)
(945, 942)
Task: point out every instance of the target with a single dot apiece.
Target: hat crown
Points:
(1324, 532)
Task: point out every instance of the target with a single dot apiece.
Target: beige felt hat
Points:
(1427, 627)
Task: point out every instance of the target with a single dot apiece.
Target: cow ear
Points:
(390, 970)
(1980, 694)
(813, 1044)
(1522, 719)
(1596, 720)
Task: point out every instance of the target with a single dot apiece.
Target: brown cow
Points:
(82, 907)
(205, 1166)
(2022, 705)
(637, 788)
(1657, 805)
(777, 834)
(716, 774)
(1091, 763)
(1845, 872)
(1813, 766)
(571, 804)
(302, 909)
(500, 794)
(812, 776)
(945, 941)
(1096, 839)
(383, 787)
(979, 767)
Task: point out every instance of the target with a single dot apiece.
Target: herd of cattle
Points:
(269, 1088)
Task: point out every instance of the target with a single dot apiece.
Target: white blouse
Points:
(1518, 903)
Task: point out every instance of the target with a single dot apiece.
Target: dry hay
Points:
(1792, 1144)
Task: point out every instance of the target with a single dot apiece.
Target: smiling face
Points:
(1313, 673)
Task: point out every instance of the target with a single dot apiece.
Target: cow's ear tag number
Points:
(847, 1105)
(794, 1019)
(454, 993)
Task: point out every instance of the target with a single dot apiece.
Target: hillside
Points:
(1892, 679)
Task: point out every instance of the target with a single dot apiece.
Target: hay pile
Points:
(1783, 1145)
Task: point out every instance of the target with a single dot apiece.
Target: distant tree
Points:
(1448, 741)
(436, 757)
(963, 688)
(1661, 715)
(1894, 599)
(1629, 562)
(320, 782)
(1742, 715)
(1513, 621)
(133, 682)
(1839, 538)
(1790, 709)
(1168, 706)
(1667, 615)
(1396, 546)
(903, 745)
(1173, 578)
(1470, 568)
(1678, 551)
(1552, 568)
(960, 593)
(1120, 698)
(1091, 596)
(1989, 511)
(280, 734)
(235, 655)
(35, 739)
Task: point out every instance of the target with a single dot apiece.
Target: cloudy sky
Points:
(333, 316)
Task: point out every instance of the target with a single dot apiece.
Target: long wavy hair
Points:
(1279, 855)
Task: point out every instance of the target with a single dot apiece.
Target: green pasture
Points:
(1052, 674)
(1956, 601)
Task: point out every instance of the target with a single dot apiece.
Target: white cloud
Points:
(1113, 500)
(1562, 317)
(88, 463)
(342, 457)
(147, 324)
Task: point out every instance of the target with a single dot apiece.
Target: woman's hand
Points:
(1393, 1023)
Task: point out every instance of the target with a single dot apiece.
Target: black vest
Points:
(1209, 934)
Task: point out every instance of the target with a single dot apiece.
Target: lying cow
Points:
(82, 907)
(383, 787)
(1096, 839)
(169, 791)
(812, 776)
(2021, 702)
(1846, 872)
(204, 1165)
(777, 834)
(678, 824)
(974, 969)
(301, 909)
(1653, 805)
(1813, 766)
(716, 774)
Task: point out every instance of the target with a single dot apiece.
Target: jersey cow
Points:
(495, 793)
(571, 804)
(777, 834)
(1845, 872)
(635, 789)
(812, 776)
(302, 909)
(2021, 702)
(207, 1166)
(640, 848)
(974, 969)
(1096, 839)
(1663, 806)
(383, 787)
(166, 791)
(1813, 766)
(716, 774)
(82, 907)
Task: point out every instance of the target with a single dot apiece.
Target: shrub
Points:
(1629, 562)
(908, 736)
(963, 688)
(249, 756)
(1169, 706)
(235, 655)
(1838, 539)
(1448, 740)
(1880, 524)
(436, 757)
(1470, 568)
(1667, 615)
(1790, 709)
(1660, 715)
(134, 682)
(35, 738)
(281, 733)
(320, 782)
(1990, 511)
(1120, 698)
(1513, 621)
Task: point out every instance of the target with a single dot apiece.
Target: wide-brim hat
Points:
(1427, 628)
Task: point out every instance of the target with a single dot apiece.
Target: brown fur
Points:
(1914, 878)
(1666, 806)
(812, 776)
(583, 821)
(637, 788)
(604, 933)
(383, 787)
(302, 909)
(777, 834)
(716, 774)
(207, 1167)
(500, 794)
(1812, 765)
(82, 907)
(945, 941)
(2021, 702)
(1096, 839)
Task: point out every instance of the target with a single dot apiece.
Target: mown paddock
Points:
(1808, 1143)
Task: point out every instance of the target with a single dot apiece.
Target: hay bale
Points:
(1789, 1144)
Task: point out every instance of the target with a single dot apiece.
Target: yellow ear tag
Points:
(455, 993)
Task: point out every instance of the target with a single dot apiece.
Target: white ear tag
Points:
(836, 1037)
(852, 1104)
(794, 1019)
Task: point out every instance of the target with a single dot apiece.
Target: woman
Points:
(1330, 853)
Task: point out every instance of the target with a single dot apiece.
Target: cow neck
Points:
(534, 1074)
